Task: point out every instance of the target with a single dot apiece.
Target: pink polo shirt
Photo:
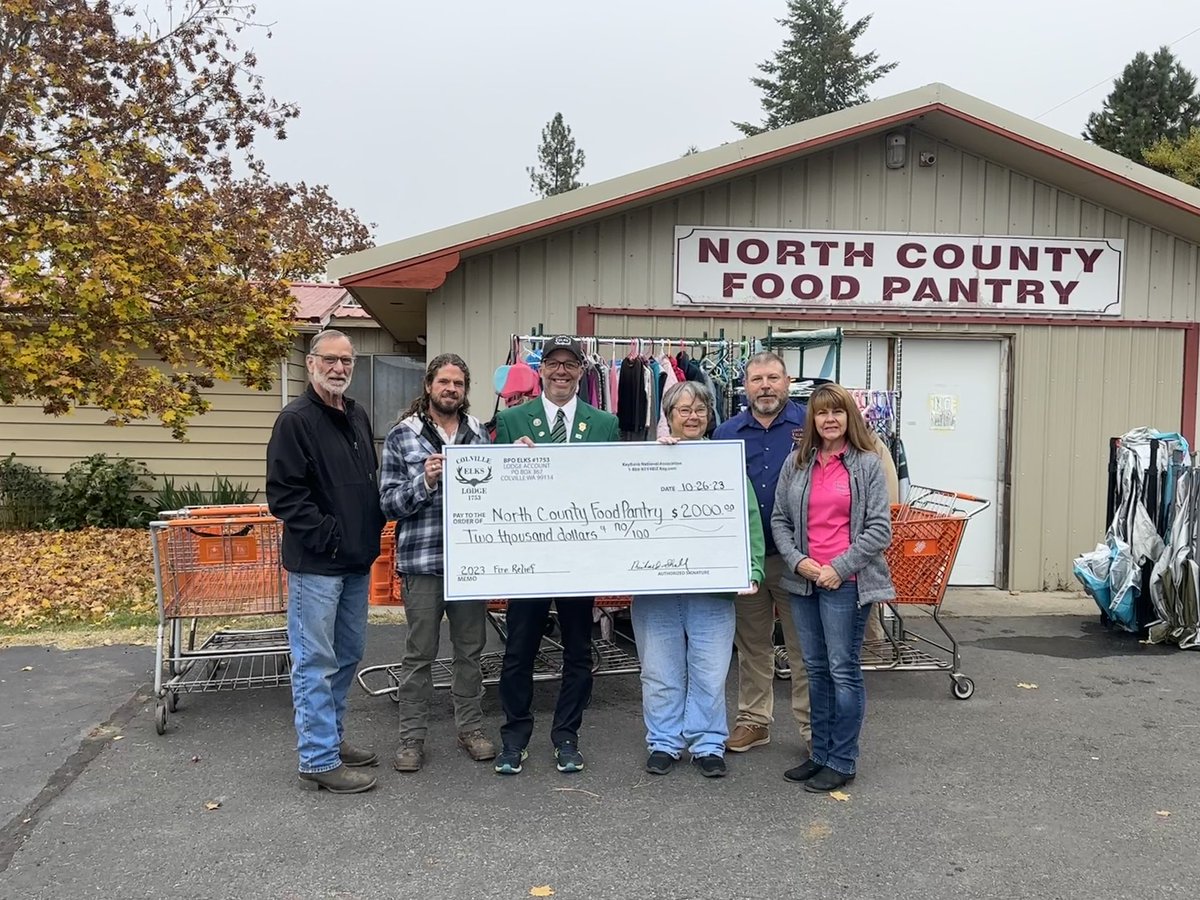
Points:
(829, 510)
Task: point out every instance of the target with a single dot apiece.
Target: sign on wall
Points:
(898, 272)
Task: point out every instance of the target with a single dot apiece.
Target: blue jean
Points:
(831, 625)
(327, 631)
(685, 643)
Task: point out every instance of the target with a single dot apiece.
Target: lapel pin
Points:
(541, 434)
(583, 426)
(537, 422)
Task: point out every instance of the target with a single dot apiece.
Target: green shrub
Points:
(222, 493)
(27, 496)
(103, 492)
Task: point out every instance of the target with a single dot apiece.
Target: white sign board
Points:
(580, 520)
(898, 272)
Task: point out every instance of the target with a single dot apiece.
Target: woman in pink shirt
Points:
(832, 522)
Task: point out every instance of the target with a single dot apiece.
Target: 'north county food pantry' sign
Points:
(896, 272)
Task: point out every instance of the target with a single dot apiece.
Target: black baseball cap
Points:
(563, 342)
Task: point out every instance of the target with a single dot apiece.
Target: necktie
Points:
(558, 434)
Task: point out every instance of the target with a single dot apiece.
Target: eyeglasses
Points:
(686, 412)
(568, 365)
(346, 361)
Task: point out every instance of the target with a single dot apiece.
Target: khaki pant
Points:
(753, 638)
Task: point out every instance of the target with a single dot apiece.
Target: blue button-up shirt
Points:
(767, 449)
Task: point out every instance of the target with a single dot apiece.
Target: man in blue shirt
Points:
(769, 425)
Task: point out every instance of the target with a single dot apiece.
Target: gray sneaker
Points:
(341, 780)
(410, 755)
(478, 747)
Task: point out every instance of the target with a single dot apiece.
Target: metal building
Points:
(1040, 293)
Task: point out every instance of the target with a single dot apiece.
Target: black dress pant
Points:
(526, 621)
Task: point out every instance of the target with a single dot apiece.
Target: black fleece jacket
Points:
(321, 484)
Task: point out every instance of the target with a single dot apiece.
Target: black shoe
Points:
(710, 766)
(827, 780)
(509, 761)
(804, 771)
(660, 763)
(567, 757)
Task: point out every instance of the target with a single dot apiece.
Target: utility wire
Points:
(1103, 81)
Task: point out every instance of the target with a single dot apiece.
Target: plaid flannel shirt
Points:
(405, 498)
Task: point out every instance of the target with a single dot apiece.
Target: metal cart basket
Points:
(217, 561)
(927, 531)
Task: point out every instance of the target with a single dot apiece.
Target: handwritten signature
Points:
(644, 565)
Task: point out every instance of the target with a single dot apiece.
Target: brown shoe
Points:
(356, 756)
(337, 781)
(410, 755)
(746, 735)
(478, 747)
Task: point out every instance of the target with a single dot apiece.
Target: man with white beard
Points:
(321, 484)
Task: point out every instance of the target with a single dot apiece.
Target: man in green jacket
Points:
(557, 417)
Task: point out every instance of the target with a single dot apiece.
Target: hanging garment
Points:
(631, 405)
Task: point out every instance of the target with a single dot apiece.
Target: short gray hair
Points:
(327, 335)
(767, 358)
(687, 390)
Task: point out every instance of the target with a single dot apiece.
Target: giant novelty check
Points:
(579, 520)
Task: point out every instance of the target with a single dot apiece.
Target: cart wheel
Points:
(963, 688)
(172, 701)
(160, 717)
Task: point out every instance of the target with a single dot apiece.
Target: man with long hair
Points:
(410, 492)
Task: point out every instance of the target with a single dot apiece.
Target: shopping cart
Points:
(611, 653)
(217, 561)
(927, 531)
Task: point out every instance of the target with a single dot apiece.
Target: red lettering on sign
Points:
(807, 287)
(1023, 257)
(905, 258)
(866, 254)
(1057, 254)
(1064, 290)
(927, 289)
(991, 262)
(1088, 257)
(843, 287)
(997, 286)
(1028, 289)
(966, 289)
(789, 250)
(732, 281)
(768, 285)
(760, 251)
(823, 248)
(718, 250)
(948, 256)
(893, 285)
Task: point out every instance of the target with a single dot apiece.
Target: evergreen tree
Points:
(1179, 159)
(816, 71)
(559, 162)
(1154, 99)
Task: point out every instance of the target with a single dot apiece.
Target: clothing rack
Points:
(637, 343)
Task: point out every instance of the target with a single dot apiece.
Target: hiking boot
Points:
(567, 757)
(478, 747)
(804, 771)
(410, 755)
(827, 780)
(356, 756)
(660, 763)
(509, 761)
(711, 766)
(746, 735)
(337, 781)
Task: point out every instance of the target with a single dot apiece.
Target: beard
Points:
(768, 405)
(445, 407)
(337, 388)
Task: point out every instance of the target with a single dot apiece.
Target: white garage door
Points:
(951, 412)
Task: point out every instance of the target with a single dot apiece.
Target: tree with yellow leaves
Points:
(1180, 159)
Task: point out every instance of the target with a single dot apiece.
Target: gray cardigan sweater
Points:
(870, 526)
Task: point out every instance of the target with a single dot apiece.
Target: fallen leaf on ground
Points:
(212, 804)
(1163, 812)
(544, 891)
(27, 668)
(840, 796)
(119, 737)
(1027, 685)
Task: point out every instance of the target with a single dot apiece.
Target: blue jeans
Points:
(327, 631)
(685, 643)
(831, 625)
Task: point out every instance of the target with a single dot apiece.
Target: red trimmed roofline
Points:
(424, 269)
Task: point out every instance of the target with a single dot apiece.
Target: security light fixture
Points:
(897, 150)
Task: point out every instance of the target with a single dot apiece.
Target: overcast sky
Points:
(420, 114)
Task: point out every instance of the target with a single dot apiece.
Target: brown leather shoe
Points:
(341, 780)
(478, 747)
(410, 755)
(746, 735)
(356, 756)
